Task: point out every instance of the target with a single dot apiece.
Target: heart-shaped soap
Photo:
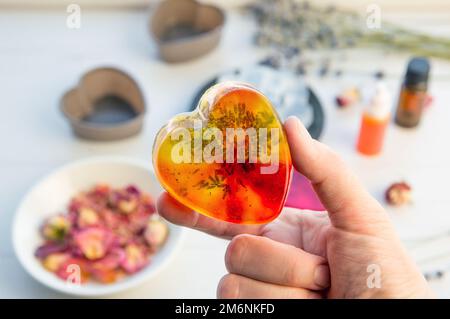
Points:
(228, 159)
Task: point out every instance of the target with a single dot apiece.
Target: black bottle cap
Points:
(417, 72)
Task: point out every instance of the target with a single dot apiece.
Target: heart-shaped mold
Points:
(107, 104)
(186, 29)
(228, 159)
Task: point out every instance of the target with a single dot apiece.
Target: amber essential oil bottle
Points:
(413, 93)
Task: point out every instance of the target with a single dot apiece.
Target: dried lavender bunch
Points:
(296, 25)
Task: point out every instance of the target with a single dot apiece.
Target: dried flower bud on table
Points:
(398, 194)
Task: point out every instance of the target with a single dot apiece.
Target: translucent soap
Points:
(228, 159)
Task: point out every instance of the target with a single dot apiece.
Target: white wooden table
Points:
(40, 58)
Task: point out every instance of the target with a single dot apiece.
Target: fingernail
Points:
(293, 118)
(322, 276)
(296, 122)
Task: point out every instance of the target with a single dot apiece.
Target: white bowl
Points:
(52, 194)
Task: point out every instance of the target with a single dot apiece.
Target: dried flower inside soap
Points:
(243, 173)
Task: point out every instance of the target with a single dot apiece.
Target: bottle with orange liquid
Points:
(413, 94)
(374, 122)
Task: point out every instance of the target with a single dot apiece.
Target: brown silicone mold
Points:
(80, 104)
(186, 29)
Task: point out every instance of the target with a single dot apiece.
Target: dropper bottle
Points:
(413, 93)
(374, 122)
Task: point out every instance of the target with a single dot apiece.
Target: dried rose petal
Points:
(94, 242)
(106, 238)
(73, 270)
(50, 248)
(156, 233)
(114, 198)
(75, 205)
(135, 258)
(101, 190)
(111, 261)
(87, 217)
(108, 276)
(56, 228)
(75, 250)
(133, 190)
(106, 270)
(138, 220)
(147, 206)
(148, 203)
(124, 234)
(110, 219)
(105, 276)
(54, 261)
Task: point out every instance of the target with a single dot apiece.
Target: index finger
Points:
(175, 212)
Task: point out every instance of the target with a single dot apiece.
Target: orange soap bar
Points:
(228, 159)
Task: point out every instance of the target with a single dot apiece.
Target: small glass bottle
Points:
(413, 93)
(374, 122)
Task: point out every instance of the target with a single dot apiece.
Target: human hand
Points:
(306, 254)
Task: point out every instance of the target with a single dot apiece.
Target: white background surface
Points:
(40, 59)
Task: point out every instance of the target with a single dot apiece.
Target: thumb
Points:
(349, 205)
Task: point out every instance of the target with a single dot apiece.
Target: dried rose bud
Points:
(111, 261)
(93, 242)
(135, 258)
(114, 197)
(106, 238)
(54, 261)
(342, 101)
(156, 233)
(148, 204)
(128, 206)
(56, 228)
(73, 270)
(348, 97)
(101, 189)
(124, 234)
(87, 217)
(398, 194)
(105, 276)
(133, 190)
(137, 221)
(75, 205)
(106, 270)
